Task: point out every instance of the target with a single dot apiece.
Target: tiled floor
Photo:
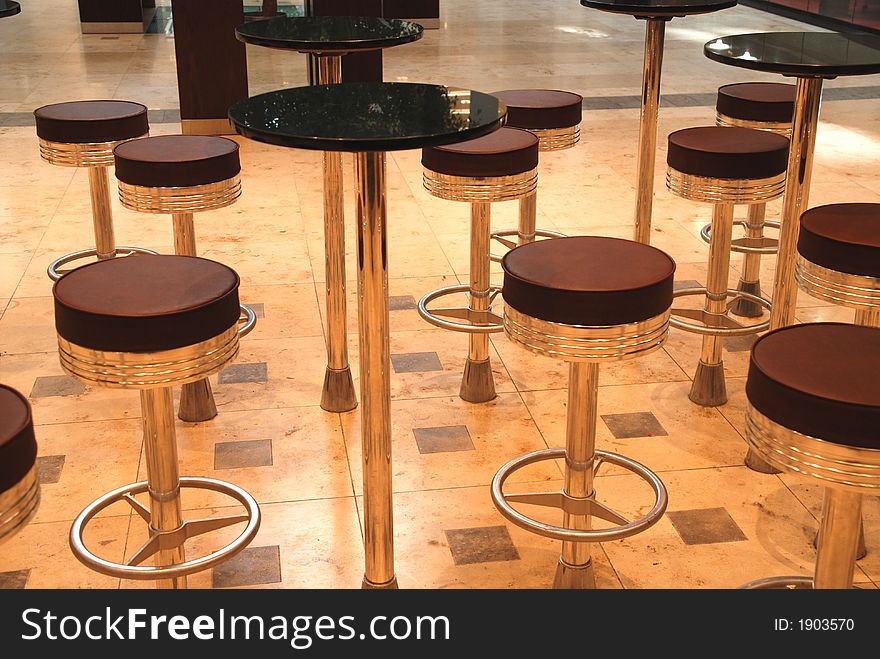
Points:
(725, 525)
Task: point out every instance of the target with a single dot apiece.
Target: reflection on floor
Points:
(726, 524)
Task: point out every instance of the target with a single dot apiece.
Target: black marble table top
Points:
(800, 54)
(373, 116)
(9, 8)
(329, 34)
(659, 8)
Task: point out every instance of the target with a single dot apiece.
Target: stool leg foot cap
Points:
(338, 394)
(709, 388)
(574, 577)
(477, 384)
(744, 307)
(197, 402)
(755, 462)
(388, 585)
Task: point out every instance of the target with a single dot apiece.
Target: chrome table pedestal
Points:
(368, 120)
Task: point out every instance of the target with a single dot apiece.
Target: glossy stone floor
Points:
(726, 524)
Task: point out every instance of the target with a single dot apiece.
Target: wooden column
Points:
(211, 63)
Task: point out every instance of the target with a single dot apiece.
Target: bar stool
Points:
(763, 106)
(501, 166)
(723, 166)
(554, 117)
(814, 410)
(84, 134)
(181, 175)
(570, 299)
(150, 323)
(19, 488)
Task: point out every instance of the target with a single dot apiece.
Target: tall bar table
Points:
(655, 13)
(811, 57)
(328, 39)
(370, 119)
(9, 8)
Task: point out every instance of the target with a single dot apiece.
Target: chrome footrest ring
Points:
(499, 236)
(168, 539)
(624, 530)
(746, 245)
(779, 583)
(732, 327)
(472, 322)
(54, 269)
(247, 321)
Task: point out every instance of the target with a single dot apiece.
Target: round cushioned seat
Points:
(506, 152)
(728, 152)
(146, 303)
(91, 122)
(541, 109)
(820, 379)
(842, 237)
(757, 101)
(18, 447)
(588, 280)
(174, 161)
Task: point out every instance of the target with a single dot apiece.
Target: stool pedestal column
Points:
(838, 539)
(102, 212)
(750, 280)
(528, 218)
(196, 398)
(478, 384)
(338, 393)
(575, 568)
(160, 449)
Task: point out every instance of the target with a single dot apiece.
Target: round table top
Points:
(329, 34)
(374, 116)
(9, 8)
(659, 8)
(799, 54)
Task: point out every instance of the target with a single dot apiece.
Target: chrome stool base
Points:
(755, 462)
(338, 394)
(745, 307)
(477, 383)
(196, 402)
(54, 270)
(574, 577)
(388, 585)
(709, 388)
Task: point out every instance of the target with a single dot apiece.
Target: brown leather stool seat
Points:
(842, 237)
(588, 280)
(541, 108)
(757, 101)
(91, 122)
(176, 161)
(728, 152)
(505, 152)
(146, 303)
(18, 447)
(820, 379)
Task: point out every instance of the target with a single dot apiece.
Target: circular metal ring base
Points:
(189, 199)
(88, 154)
(19, 504)
(576, 535)
(712, 190)
(54, 269)
(778, 127)
(557, 139)
(472, 322)
(480, 189)
(735, 328)
(762, 245)
(843, 288)
(135, 571)
(499, 236)
(780, 583)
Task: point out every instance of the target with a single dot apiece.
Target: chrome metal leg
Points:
(575, 567)
(655, 33)
(338, 394)
(196, 398)
(375, 365)
(709, 388)
(528, 218)
(838, 539)
(750, 280)
(477, 384)
(160, 450)
(797, 192)
(102, 212)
